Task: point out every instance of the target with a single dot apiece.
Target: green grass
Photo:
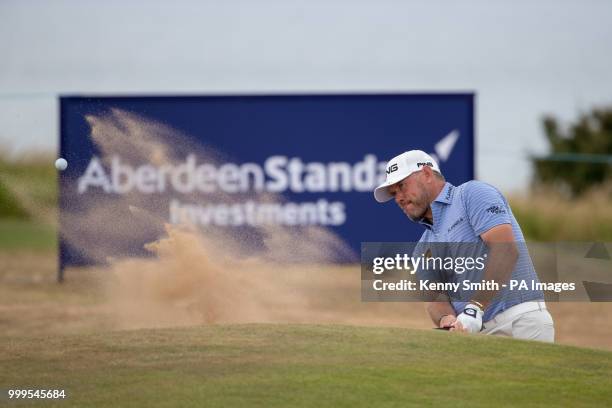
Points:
(24, 234)
(10, 207)
(28, 197)
(28, 187)
(36, 177)
(300, 365)
(545, 215)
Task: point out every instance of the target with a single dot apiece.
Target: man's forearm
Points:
(502, 259)
(437, 310)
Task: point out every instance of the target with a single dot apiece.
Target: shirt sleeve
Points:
(485, 206)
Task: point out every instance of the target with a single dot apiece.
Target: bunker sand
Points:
(32, 303)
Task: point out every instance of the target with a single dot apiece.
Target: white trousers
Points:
(527, 321)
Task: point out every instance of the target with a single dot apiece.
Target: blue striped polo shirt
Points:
(460, 215)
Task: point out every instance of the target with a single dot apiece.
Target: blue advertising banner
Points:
(234, 163)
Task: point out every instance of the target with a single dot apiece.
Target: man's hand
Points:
(470, 320)
(447, 321)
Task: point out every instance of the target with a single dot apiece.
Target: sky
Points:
(522, 59)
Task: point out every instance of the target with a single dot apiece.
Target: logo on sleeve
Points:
(496, 209)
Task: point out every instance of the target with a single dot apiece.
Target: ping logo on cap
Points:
(421, 164)
(392, 168)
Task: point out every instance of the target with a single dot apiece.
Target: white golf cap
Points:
(400, 167)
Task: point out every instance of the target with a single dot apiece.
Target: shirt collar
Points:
(425, 223)
(446, 195)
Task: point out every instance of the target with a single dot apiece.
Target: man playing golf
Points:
(475, 213)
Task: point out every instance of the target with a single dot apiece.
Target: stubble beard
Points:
(421, 203)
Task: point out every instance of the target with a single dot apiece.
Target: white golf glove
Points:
(471, 318)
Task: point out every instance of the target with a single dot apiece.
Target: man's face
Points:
(411, 196)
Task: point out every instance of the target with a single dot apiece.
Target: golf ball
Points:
(61, 164)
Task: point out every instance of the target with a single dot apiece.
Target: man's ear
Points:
(428, 173)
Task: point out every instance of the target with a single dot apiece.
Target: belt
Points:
(514, 311)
